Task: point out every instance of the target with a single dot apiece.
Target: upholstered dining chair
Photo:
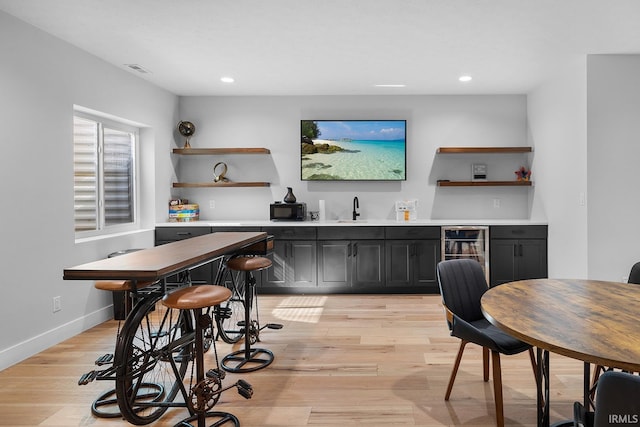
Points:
(617, 402)
(634, 279)
(462, 284)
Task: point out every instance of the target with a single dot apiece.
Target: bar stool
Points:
(106, 405)
(249, 359)
(207, 389)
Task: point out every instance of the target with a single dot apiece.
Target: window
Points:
(104, 163)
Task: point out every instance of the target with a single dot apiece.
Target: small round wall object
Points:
(220, 177)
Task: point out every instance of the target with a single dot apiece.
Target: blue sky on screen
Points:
(363, 129)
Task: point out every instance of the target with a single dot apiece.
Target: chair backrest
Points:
(462, 284)
(617, 400)
(634, 275)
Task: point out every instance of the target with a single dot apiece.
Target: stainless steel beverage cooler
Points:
(470, 242)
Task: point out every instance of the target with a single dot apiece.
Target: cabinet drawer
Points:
(404, 232)
(215, 229)
(291, 233)
(350, 233)
(171, 234)
(518, 232)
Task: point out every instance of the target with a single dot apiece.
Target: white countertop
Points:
(359, 222)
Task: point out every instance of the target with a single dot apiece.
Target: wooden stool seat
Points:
(248, 263)
(119, 285)
(199, 296)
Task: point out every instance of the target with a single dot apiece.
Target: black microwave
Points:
(288, 211)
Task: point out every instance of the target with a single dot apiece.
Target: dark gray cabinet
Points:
(350, 258)
(411, 256)
(294, 258)
(517, 253)
(377, 259)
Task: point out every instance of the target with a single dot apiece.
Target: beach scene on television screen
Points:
(353, 150)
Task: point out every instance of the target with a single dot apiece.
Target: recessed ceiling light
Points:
(227, 79)
(391, 85)
(464, 78)
(138, 68)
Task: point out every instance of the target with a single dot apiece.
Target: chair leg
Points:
(485, 363)
(455, 369)
(497, 388)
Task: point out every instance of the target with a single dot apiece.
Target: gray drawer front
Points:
(404, 232)
(518, 232)
(170, 234)
(216, 229)
(350, 233)
(291, 233)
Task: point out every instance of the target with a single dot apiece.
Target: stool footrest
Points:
(273, 326)
(222, 418)
(240, 361)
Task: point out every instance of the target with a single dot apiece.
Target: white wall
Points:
(41, 78)
(557, 130)
(613, 115)
(433, 121)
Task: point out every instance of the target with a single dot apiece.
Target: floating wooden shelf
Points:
(484, 183)
(214, 151)
(487, 150)
(219, 184)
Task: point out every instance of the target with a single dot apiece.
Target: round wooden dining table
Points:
(595, 321)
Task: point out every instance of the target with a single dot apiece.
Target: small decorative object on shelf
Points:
(523, 174)
(220, 177)
(186, 129)
(289, 197)
(478, 172)
(180, 210)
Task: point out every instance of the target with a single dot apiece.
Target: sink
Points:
(350, 221)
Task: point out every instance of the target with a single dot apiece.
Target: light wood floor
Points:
(341, 360)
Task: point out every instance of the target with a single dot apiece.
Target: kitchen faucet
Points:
(356, 204)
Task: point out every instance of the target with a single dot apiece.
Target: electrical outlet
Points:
(212, 204)
(57, 304)
(496, 203)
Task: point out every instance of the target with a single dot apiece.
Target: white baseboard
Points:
(35, 345)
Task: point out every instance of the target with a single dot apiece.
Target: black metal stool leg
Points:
(249, 359)
(207, 391)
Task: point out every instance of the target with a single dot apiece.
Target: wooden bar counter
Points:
(161, 261)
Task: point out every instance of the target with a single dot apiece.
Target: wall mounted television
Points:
(353, 150)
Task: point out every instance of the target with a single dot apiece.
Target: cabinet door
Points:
(513, 259)
(503, 267)
(368, 263)
(425, 258)
(532, 259)
(293, 264)
(276, 275)
(334, 264)
(412, 263)
(398, 262)
(302, 261)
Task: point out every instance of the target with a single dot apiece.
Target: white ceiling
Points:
(332, 47)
